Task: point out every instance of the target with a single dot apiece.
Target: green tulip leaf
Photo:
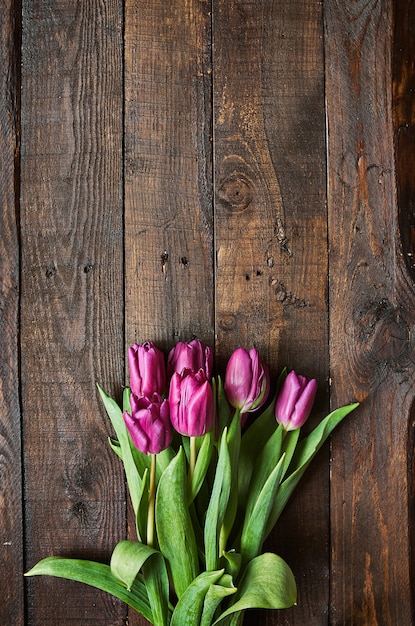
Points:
(289, 446)
(234, 446)
(253, 533)
(217, 505)
(174, 528)
(254, 439)
(142, 508)
(305, 452)
(235, 619)
(133, 477)
(164, 459)
(115, 446)
(204, 456)
(128, 559)
(96, 575)
(267, 583)
(126, 406)
(223, 407)
(231, 561)
(267, 460)
(215, 594)
(189, 609)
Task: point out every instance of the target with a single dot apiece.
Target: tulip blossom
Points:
(191, 403)
(193, 356)
(246, 380)
(147, 369)
(295, 401)
(149, 424)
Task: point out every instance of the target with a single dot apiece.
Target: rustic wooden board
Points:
(372, 314)
(271, 235)
(168, 173)
(72, 295)
(168, 176)
(11, 510)
(174, 182)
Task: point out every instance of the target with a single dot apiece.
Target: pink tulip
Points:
(295, 401)
(149, 424)
(191, 403)
(193, 356)
(147, 369)
(246, 380)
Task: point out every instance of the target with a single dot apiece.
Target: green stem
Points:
(192, 461)
(151, 502)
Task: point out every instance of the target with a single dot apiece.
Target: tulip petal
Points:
(304, 404)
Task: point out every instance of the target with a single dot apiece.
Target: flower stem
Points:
(192, 462)
(151, 502)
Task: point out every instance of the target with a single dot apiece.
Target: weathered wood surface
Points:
(174, 181)
(372, 317)
(271, 231)
(11, 523)
(72, 294)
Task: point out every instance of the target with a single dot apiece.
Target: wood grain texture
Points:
(372, 304)
(72, 296)
(168, 174)
(174, 182)
(271, 236)
(11, 510)
(403, 109)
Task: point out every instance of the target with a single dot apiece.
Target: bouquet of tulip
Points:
(206, 485)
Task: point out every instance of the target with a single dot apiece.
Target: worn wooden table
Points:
(242, 171)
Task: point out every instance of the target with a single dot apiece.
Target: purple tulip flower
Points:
(147, 369)
(193, 356)
(191, 403)
(295, 401)
(247, 380)
(149, 424)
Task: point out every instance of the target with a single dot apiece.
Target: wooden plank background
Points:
(240, 171)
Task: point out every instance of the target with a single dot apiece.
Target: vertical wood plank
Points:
(403, 108)
(168, 175)
(72, 295)
(271, 236)
(169, 283)
(11, 510)
(372, 304)
(403, 105)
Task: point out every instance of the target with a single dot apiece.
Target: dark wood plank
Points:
(11, 511)
(403, 107)
(72, 290)
(403, 102)
(168, 176)
(372, 312)
(271, 237)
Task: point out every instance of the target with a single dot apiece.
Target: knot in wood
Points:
(382, 330)
(237, 191)
(228, 322)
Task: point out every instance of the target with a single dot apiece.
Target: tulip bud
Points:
(191, 403)
(149, 424)
(246, 380)
(147, 369)
(295, 401)
(193, 356)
